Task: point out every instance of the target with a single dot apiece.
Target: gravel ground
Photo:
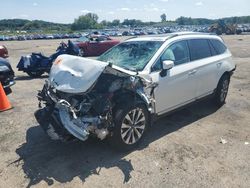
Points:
(181, 150)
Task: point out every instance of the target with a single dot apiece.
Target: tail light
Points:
(5, 51)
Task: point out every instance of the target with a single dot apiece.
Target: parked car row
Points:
(121, 32)
(40, 36)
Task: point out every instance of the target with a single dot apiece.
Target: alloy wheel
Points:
(133, 126)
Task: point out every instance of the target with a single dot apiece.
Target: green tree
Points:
(132, 22)
(88, 21)
(115, 22)
(163, 18)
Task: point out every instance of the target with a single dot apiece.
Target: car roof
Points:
(164, 37)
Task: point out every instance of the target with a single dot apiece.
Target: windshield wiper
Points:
(130, 68)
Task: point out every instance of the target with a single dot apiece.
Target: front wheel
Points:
(131, 123)
(81, 52)
(222, 90)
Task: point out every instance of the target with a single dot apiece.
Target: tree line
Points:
(90, 21)
(35, 25)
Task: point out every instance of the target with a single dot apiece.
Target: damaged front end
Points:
(81, 95)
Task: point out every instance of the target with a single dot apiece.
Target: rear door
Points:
(206, 66)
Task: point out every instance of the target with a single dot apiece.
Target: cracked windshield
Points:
(132, 55)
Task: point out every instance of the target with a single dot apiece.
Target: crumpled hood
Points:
(72, 74)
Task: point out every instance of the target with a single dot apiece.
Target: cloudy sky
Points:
(64, 11)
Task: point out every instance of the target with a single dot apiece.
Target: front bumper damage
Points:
(59, 121)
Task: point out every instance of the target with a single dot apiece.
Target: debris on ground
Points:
(223, 141)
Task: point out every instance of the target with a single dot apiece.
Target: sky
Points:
(65, 11)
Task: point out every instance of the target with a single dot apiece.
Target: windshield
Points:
(83, 39)
(132, 55)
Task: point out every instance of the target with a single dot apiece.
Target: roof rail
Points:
(131, 38)
(191, 33)
(175, 34)
(188, 33)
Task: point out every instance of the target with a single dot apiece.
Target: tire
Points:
(128, 133)
(7, 91)
(81, 52)
(222, 90)
(35, 74)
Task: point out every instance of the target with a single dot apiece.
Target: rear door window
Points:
(199, 49)
(219, 47)
(213, 51)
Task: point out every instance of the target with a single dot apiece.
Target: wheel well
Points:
(122, 97)
(125, 95)
(227, 73)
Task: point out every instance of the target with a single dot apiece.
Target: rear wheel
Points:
(222, 90)
(131, 123)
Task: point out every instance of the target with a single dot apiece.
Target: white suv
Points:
(117, 95)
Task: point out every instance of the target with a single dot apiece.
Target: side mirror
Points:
(167, 64)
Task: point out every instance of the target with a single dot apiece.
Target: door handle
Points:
(192, 72)
(219, 64)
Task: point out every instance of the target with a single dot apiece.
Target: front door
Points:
(178, 86)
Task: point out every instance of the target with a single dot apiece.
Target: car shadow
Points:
(43, 159)
(22, 78)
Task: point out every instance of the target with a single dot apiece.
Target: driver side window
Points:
(177, 52)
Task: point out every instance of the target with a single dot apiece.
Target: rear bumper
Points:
(232, 71)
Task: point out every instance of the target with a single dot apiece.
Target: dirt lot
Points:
(181, 150)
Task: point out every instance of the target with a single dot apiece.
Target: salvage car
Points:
(3, 52)
(36, 64)
(120, 94)
(95, 45)
(6, 75)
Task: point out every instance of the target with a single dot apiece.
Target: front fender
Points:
(139, 96)
(142, 95)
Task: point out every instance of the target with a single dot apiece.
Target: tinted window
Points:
(219, 47)
(199, 49)
(213, 51)
(177, 52)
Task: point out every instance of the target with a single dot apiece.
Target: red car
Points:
(95, 45)
(3, 52)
